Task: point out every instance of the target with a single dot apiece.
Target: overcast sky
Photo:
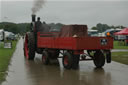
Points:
(90, 12)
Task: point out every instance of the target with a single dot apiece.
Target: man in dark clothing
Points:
(37, 28)
(38, 25)
(41, 27)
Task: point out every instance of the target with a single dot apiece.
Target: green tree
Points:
(11, 27)
(15, 28)
(94, 28)
(102, 27)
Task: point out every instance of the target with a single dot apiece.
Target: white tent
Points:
(1, 34)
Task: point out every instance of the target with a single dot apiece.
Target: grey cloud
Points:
(81, 12)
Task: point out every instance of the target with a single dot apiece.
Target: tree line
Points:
(15, 28)
(103, 27)
(24, 27)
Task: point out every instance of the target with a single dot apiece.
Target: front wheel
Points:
(29, 46)
(45, 57)
(75, 62)
(99, 59)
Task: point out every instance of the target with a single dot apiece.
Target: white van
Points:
(93, 32)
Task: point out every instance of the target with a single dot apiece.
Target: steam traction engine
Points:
(71, 41)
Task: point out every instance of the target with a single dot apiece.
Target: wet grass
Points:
(121, 57)
(120, 45)
(5, 56)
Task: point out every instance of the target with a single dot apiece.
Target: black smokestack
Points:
(38, 4)
(33, 17)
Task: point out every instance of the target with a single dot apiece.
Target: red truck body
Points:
(73, 43)
(70, 41)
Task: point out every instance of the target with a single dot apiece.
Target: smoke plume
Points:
(38, 4)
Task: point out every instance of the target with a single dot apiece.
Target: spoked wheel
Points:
(99, 59)
(29, 47)
(45, 57)
(26, 51)
(67, 60)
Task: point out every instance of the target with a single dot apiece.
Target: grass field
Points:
(121, 57)
(120, 45)
(5, 56)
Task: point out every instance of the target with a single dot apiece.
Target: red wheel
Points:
(45, 57)
(26, 51)
(67, 60)
(29, 46)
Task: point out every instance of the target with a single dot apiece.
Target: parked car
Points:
(93, 32)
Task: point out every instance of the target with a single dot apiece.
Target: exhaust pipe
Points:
(33, 22)
(33, 17)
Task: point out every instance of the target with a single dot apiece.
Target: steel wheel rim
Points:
(43, 58)
(26, 50)
(66, 60)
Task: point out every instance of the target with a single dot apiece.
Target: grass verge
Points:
(120, 45)
(121, 57)
(5, 56)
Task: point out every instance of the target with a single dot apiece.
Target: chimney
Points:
(33, 17)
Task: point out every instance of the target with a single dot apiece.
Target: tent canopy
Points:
(122, 32)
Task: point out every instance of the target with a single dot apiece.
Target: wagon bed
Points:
(75, 43)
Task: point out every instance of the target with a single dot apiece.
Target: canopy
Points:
(71, 30)
(122, 32)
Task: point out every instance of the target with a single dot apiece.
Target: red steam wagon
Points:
(72, 41)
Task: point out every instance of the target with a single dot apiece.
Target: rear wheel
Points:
(45, 57)
(67, 60)
(108, 56)
(76, 59)
(99, 59)
(29, 46)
